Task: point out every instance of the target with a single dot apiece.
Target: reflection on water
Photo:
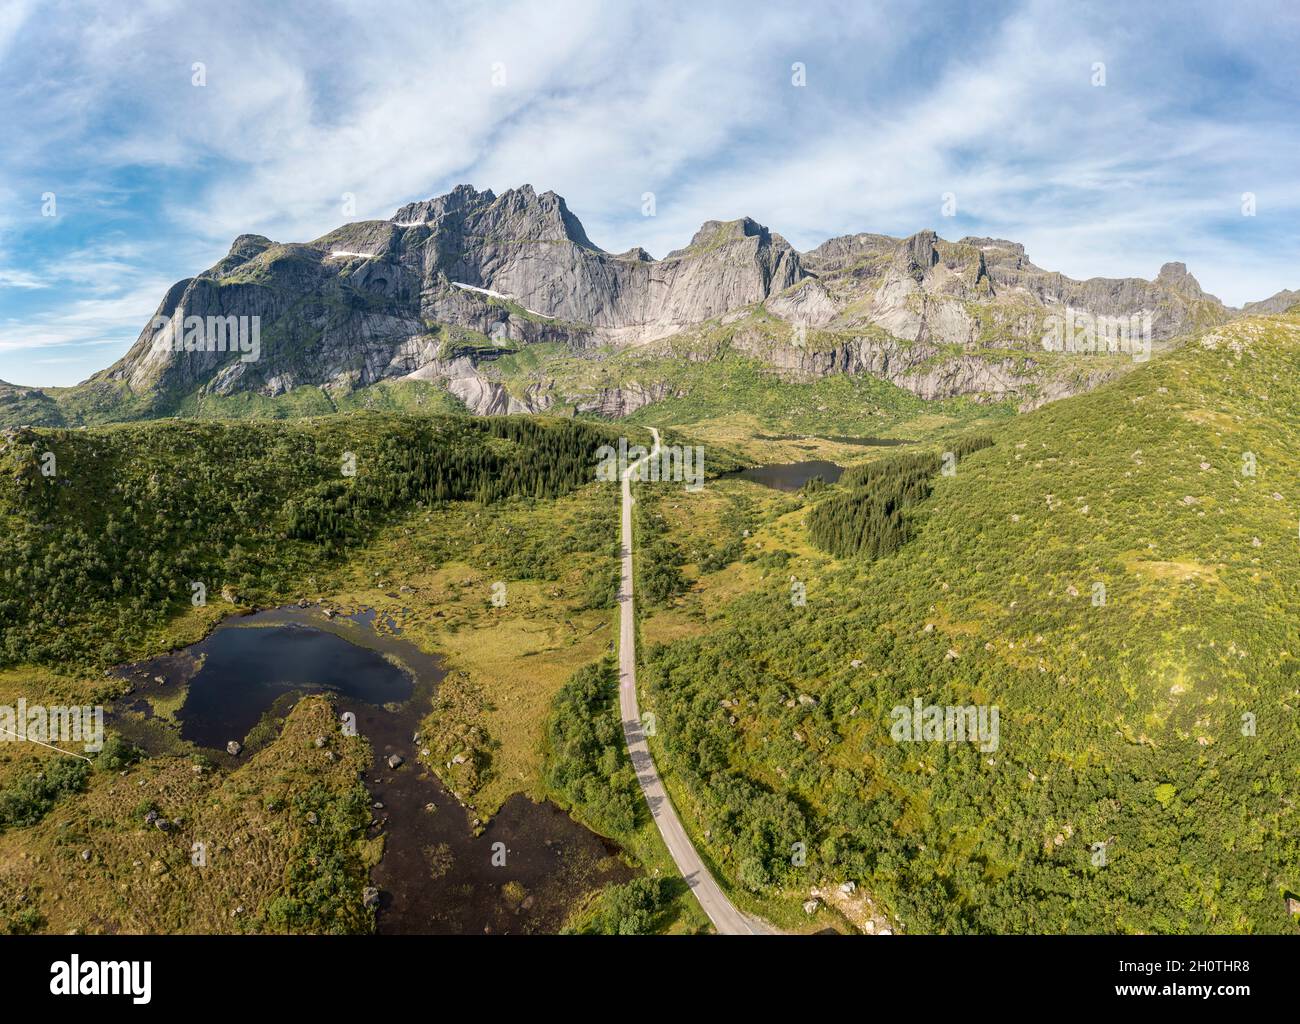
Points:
(246, 669)
(790, 476)
(439, 874)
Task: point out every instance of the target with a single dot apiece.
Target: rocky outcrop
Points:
(1278, 303)
(617, 402)
(448, 284)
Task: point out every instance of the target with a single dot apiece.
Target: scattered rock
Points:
(233, 748)
(810, 906)
(370, 897)
(85, 855)
(395, 760)
(320, 742)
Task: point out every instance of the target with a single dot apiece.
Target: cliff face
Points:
(432, 292)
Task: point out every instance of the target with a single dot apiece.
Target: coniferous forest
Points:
(111, 532)
(872, 518)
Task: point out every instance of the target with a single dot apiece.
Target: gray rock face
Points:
(1278, 303)
(617, 402)
(448, 285)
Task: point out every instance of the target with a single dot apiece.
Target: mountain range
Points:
(438, 294)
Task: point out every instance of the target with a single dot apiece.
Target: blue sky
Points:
(153, 176)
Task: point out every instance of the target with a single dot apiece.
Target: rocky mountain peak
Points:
(544, 217)
(1278, 303)
(378, 300)
(459, 200)
(994, 243)
(718, 232)
(1175, 275)
(917, 254)
(248, 246)
(636, 253)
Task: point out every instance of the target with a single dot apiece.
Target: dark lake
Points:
(790, 476)
(245, 670)
(437, 874)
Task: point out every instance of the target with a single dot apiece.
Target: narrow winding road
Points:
(725, 917)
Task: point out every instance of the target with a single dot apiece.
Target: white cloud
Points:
(20, 279)
(13, 13)
(603, 102)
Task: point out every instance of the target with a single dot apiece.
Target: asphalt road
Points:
(720, 910)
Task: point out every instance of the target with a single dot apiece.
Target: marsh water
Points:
(438, 874)
(790, 476)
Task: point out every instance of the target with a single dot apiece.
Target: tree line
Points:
(873, 518)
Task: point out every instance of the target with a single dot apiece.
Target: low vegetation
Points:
(1117, 575)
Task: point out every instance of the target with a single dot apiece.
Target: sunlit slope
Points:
(1124, 721)
(110, 532)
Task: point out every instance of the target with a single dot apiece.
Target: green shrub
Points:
(587, 766)
(31, 795)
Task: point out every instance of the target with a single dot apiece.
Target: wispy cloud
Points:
(604, 102)
(86, 322)
(20, 279)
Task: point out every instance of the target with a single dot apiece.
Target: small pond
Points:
(790, 476)
(437, 874)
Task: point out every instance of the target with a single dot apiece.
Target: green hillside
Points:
(107, 532)
(1146, 773)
